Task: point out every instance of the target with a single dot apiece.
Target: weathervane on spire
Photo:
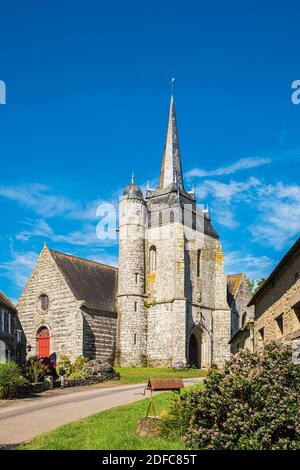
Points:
(172, 85)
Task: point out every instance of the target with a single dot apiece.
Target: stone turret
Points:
(131, 289)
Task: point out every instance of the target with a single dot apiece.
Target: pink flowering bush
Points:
(252, 403)
(37, 368)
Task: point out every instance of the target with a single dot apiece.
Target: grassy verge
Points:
(109, 430)
(131, 375)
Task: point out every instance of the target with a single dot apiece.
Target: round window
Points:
(44, 302)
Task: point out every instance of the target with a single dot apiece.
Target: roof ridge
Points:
(7, 300)
(278, 268)
(79, 258)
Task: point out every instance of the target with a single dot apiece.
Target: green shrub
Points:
(37, 368)
(34, 369)
(76, 374)
(79, 364)
(72, 371)
(64, 366)
(252, 403)
(10, 379)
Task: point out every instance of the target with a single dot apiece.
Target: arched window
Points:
(244, 318)
(149, 220)
(172, 216)
(198, 262)
(44, 302)
(152, 259)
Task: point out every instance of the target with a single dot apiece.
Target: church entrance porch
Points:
(199, 348)
(194, 351)
(43, 342)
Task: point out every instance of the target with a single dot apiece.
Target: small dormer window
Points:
(44, 302)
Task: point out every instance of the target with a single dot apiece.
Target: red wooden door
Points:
(43, 343)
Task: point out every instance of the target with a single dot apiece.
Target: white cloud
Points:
(225, 191)
(44, 202)
(39, 198)
(85, 236)
(255, 267)
(242, 164)
(224, 216)
(18, 268)
(36, 228)
(274, 208)
(279, 215)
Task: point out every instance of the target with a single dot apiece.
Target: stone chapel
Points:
(168, 301)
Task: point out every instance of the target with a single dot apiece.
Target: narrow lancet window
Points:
(152, 259)
(198, 262)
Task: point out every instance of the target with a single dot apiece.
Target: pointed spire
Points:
(132, 178)
(171, 171)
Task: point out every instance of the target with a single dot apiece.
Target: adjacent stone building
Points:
(68, 307)
(277, 303)
(242, 315)
(12, 341)
(172, 291)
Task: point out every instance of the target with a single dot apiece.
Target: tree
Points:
(259, 283)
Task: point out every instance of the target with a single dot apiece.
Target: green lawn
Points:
(109, 430)
(131, 375)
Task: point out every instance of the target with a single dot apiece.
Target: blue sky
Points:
(87, 103)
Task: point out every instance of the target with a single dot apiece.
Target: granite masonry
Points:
(242, 315)
(172, 292)
(277, 304)
(68, 307)
(168, 301)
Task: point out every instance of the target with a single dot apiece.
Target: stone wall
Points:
(242, 300)
(242, 318)
(221, 336)
(63, 317)
(131, 338)
(282, 297)
(99, 335)
(158, 314)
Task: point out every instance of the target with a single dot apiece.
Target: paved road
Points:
(21, 420)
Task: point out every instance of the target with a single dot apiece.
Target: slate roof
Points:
(6, 302)
(172, 196)
(133, 191)
(94, 283)
(171, 164)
